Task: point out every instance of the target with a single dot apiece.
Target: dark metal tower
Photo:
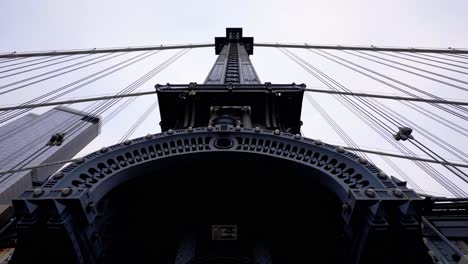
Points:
(232, 94)
(233, 64)
(229, 180)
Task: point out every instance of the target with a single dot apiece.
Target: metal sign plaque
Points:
(224, 232)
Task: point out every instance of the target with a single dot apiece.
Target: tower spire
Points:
(233, 64)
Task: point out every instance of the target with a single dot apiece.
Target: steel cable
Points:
(19, 63)
(412, 72)
(389, 84)
(379, 128)
(139, 121)
(55, 75)
(124, 64)
(33, 64)
(427, 59)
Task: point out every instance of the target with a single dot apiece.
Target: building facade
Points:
(24, 143)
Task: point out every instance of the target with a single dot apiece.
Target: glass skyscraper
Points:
(23, 142)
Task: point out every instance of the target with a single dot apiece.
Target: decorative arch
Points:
(346, 171)
(359, 185)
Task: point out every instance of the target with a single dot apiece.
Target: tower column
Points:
(232, 94)
(233, 64)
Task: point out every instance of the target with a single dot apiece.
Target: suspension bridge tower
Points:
(230, 179)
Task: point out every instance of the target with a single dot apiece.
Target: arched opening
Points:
(270, 210)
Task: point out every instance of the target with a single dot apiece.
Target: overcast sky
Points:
(27, 25)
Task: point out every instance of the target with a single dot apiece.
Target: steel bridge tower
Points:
(229, 180)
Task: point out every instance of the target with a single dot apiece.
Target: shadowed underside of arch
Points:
(179, 184)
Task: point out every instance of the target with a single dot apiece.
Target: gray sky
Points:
(27, 25)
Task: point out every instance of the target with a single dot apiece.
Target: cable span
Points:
(103, 50)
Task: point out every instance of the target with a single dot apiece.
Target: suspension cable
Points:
(431, 172)
(412, 72)
(443, 58)
(26, 168)
(429, 135)
(393, 97)
(140, 120)
(75, 101)
(415, 158)
(424, 63)
(124, 64)
(33, 69)
(337, 128)
(56, 75)
(19, 63)
(402, 174)
(53, 71)
(451, 149)
(427, 59)
(10, 60)
(98, 109)
(316, 70)
(387, 83)
(104, 106)
(117, 110)
(388, 118)
(434, 155)
(455, 127)
(100, 98)
(75, 127)
(365, 48)
(456, 55)
(104, 50)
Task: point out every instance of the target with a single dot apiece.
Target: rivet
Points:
(190, 129)
(127, 142)
(238, 128)
(90, 207)
(257, 129)
(297, 136)
(277, 132)
(345, 207)
(398, 193)
(382, 175)
(148, 136)
(79, 160)
(66, 191)
(317, 142)
(38, 192)
(425, 241)
(58, 175)
(170, 132)
(362, 160)
(104, 149)
(340, 150)
(370, 192)
(209, 128)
